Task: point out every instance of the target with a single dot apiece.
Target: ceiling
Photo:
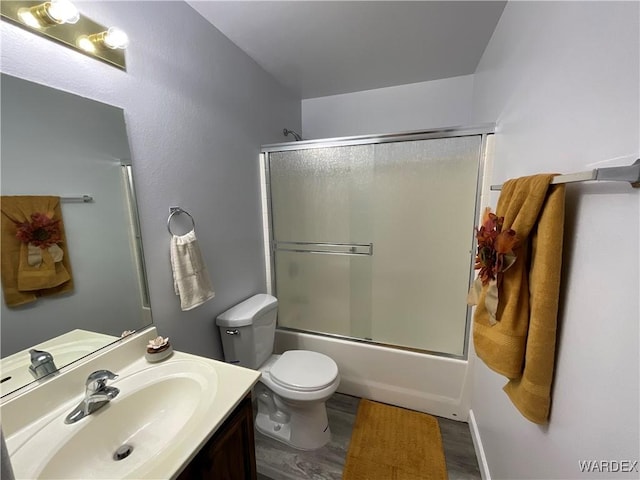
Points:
(320, 48)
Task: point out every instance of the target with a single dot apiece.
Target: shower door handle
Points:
(325, 248)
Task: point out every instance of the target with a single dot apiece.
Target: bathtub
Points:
(427, 383)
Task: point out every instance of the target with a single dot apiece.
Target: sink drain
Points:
(122, 452)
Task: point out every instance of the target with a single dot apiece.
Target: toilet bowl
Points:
(293, 387)
(291, 398)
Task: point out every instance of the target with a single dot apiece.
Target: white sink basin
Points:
(158, 409)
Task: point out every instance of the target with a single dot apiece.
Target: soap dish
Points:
(158, 349)
(159, 356)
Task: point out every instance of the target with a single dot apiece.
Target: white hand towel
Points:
(190, 277)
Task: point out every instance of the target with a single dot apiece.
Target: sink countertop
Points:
(233, 384)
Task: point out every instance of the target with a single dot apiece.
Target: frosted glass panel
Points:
(323, 293)
(424, 203)
(322, 195)
(415, 202)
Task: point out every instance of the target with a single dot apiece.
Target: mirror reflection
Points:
(73, 274)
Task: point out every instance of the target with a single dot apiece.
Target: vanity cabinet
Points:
(230, 453)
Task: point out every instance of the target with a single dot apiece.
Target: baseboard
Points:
(477, 445)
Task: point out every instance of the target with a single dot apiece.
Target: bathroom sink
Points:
(158, 410)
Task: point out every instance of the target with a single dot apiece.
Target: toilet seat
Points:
(304, 371)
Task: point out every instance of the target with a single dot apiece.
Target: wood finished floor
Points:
(277, 461)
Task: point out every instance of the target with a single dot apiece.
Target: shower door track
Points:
(369, 341)
(447, 132)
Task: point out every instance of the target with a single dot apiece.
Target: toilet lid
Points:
(304, 371)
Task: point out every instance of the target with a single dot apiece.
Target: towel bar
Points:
(629, 174)
(78, 199)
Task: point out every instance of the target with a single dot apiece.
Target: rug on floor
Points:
(392, 443)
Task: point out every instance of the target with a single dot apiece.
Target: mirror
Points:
(59, 144)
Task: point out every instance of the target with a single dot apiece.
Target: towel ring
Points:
(178, 211)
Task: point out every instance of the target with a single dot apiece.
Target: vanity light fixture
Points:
(59, 20)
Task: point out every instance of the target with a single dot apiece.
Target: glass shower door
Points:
(374, 241)
(424, 203)
(320, 201)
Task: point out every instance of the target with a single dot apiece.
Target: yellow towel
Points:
(521, 346)
(21, 282)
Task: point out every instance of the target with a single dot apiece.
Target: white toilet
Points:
(293, 387)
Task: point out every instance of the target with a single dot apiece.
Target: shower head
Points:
(295, 135)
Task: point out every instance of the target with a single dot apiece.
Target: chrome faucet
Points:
(97, 394)
(41, 364)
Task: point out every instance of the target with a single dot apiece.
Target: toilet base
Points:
(307, 428)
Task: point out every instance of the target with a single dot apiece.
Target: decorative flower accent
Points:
(126, 333)
(494, 256)
(41, 232)
(495, 247)
(158, 343)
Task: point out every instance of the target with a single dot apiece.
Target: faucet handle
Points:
(98, 380)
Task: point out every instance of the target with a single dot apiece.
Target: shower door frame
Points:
(485, 131)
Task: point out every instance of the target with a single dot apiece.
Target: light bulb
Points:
(63, 11)
(116, 38)
(86, 44)
(28, 18)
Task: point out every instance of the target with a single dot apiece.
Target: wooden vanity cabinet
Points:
(230, 454)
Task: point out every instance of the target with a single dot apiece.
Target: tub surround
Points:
(427, 383)
(26, 412)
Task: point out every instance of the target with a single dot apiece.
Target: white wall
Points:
(417, 106)
(561, 79)
(197, 110)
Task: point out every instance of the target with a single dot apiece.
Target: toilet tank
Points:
(248, 330)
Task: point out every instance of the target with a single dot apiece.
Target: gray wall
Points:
(197, 110)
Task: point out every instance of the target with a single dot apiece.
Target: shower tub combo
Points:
(370, 254)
